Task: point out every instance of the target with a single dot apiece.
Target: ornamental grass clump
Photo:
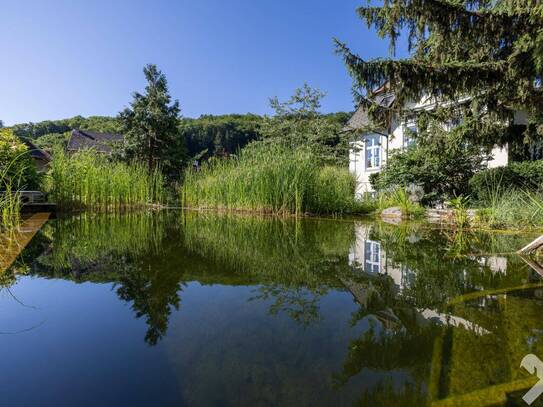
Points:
(270, 179)
(10, 207)
(87, 180)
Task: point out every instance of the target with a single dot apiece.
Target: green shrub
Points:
(441, 167)
(524, 175)
(271, 178)
(16, 166)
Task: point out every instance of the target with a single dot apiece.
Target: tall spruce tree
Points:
(150, 126)
(489, 52)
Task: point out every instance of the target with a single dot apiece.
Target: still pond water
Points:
(204, 310)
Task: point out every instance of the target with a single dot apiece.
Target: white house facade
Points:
(368, 153)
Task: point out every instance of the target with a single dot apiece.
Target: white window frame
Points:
(408, 141)
(373, 261)
(373, 163)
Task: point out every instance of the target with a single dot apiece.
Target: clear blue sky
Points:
(61, 58)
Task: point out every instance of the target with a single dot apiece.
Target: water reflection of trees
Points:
(404, 291)
(449, 343)
(116, 248)
(149, 257)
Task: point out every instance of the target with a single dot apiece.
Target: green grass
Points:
(502, 207)
(90, 181)
(513, 210)
(399, 198)
(271, 179)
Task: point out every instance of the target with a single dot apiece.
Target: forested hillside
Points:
(205, 136)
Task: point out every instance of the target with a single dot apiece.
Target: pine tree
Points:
(150, 126)
(490, 51)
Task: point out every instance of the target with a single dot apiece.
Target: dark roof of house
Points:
(100, 142)
(35, 152)
(360, 118)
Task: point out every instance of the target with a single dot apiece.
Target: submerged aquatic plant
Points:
(87, 180)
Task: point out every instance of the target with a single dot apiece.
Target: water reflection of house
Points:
(498, 264)
(368, 256)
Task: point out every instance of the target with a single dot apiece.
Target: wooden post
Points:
(532, 247)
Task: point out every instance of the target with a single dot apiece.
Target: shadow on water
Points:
(430, 316)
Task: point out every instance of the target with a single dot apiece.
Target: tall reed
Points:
(270, 179)
(87, 180)
(10, 197)
(512, 208)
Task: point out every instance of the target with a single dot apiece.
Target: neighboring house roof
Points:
(100, 142)
(37, 153)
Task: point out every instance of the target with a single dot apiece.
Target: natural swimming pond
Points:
(202, 309)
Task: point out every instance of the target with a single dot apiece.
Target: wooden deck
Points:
(11, 246)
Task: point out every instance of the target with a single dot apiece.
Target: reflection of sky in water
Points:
(218, 344)
(308, 313)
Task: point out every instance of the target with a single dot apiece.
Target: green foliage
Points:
(10, 207)
(438, 163)
(400, 198)
(16, 166)
(298, 123)
(210, 135)
(489, 50)
(150, 127)
(270, 178)
(99, 124)
(524, 175)
(52, 142)
(511, 209)
(88, 180)
(460, 207)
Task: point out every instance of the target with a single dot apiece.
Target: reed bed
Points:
(10, 200)
(87, 180)
(270, 179)
(501, 206)
(520, 209)
(10, 208)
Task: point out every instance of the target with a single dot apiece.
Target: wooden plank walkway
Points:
(11, 246)
(532, 247)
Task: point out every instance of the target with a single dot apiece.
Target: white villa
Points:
(370, 150)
